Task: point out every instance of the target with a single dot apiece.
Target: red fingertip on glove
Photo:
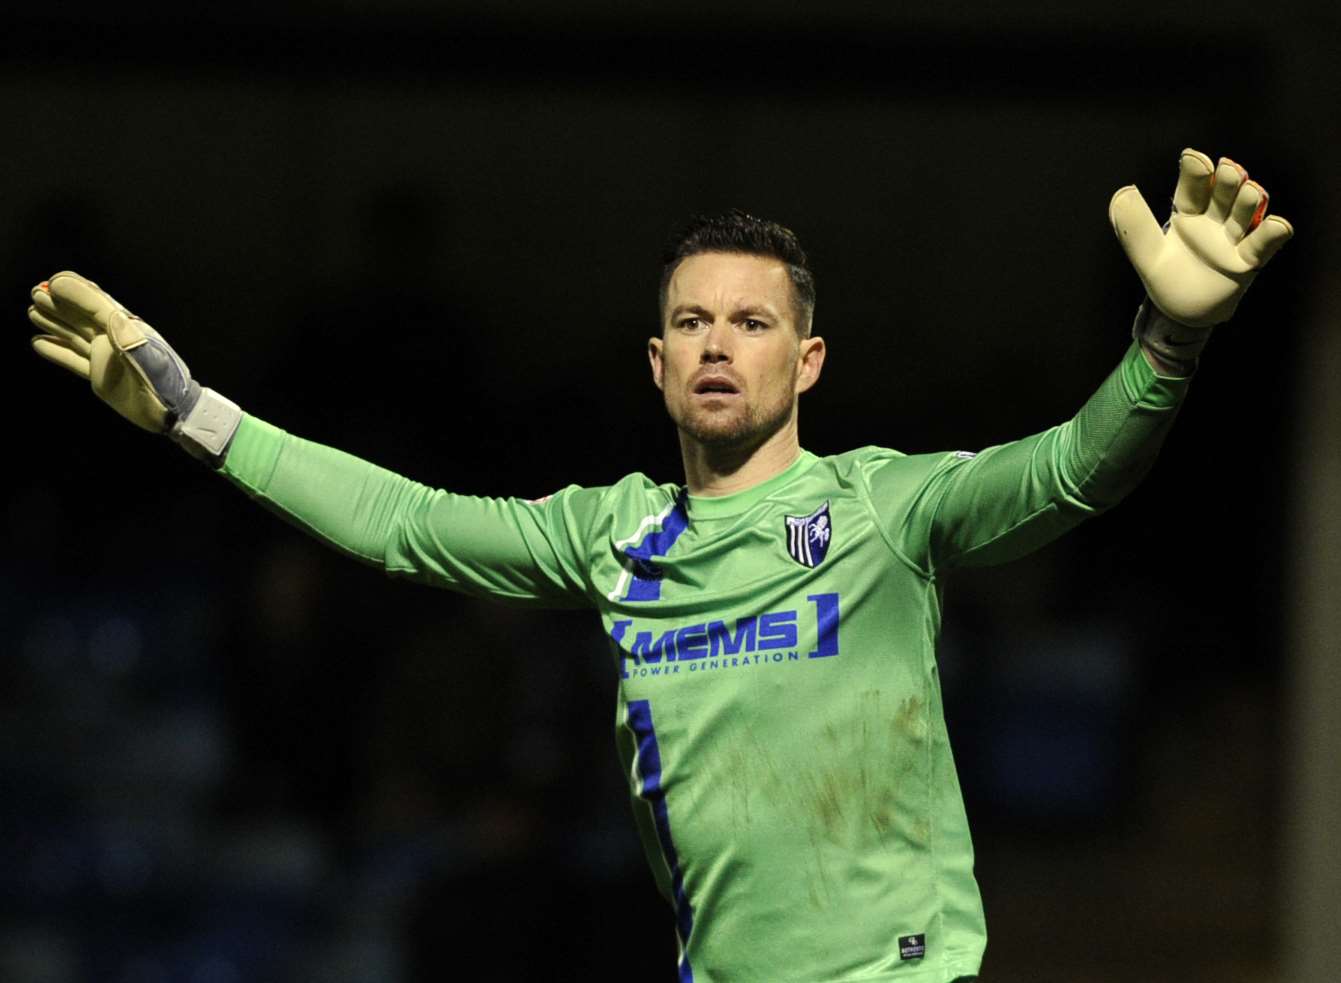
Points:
(1260, 212)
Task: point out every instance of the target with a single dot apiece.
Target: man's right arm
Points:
(504, 548)
(508, 549)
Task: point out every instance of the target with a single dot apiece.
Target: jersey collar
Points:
(721, 506)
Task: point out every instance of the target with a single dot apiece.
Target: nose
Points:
(717, 345)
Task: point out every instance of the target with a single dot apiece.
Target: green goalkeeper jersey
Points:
(779, 712)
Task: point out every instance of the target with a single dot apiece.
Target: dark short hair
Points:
(738, 231)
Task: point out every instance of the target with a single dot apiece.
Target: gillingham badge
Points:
(808, 536)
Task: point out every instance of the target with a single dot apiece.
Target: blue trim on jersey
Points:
(649, 766)
(646, 585)
(828, 616)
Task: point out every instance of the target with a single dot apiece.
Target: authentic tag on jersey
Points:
(808, 536)
(912, 946)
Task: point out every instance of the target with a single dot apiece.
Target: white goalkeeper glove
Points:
(1198, 266)
(129, 365)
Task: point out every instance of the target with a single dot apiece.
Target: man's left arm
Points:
(1011, 499)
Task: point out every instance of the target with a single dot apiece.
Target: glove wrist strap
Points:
(1171, 342)
(208, 428)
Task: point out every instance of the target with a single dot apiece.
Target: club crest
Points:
(808, 536)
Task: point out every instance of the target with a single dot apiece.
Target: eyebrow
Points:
(749, 310)
(757, 311)
(689, 309)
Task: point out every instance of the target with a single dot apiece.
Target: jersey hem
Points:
(945, 973)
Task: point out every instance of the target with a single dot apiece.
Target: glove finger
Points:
(1247, 211)
(110, 299)
(1193, 192)
(1261, 244)
(77, 299)
(43, 302)
(41, 295)
(72, 275)
(58, 351)
(1137, 230)
(1229, 177)
(59, 329)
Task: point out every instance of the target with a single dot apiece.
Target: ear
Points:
(809, 362)
(654, 356)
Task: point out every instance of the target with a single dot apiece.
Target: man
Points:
(774, 619)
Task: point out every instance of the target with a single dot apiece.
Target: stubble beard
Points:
(731, 431)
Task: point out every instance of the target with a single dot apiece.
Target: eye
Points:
(753, 324)
(689, 323)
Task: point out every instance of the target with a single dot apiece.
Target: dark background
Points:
(430, 236)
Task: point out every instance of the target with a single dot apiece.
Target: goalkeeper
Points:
(773, 619)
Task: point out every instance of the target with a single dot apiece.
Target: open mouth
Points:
(715, 386)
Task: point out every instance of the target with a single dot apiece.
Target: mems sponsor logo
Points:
(767, 639)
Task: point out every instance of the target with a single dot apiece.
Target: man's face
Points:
(730, 362)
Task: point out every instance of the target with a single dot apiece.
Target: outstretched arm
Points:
(505, 548)
(962, 509)
(954, 509)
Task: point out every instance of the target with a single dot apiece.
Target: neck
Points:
(714, 470)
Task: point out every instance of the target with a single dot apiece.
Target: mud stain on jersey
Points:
(881, 819)
(819, 887)
(908, 746)
(827, 795)
(855, 796)
(910, 721)
(740, 783)
(862, 787)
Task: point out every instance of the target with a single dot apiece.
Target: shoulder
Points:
(862, 457)
(887, 474)
(869, 459)
(628, 499)
(639, 493)
(859, 464)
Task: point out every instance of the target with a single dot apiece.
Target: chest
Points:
(777, 589)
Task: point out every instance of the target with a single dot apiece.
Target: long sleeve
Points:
(510, 549)
(942, 510)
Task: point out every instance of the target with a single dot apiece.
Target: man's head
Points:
(740, 232)
(735, 349)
